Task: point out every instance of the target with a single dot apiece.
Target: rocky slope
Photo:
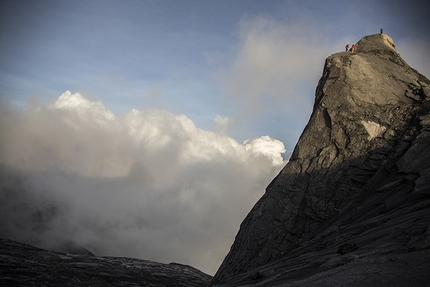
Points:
(352, 206)
(25, 265)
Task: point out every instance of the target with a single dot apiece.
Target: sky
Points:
(149, 129)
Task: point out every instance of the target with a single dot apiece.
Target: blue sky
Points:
(175, 54)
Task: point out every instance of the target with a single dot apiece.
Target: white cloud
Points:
(268, 147)
(147, 184)
(273, 62)
(90, 111)
(222, 124)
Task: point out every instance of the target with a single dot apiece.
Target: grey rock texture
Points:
(352, 206)
(25, 265)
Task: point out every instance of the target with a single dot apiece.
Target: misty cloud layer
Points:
(276, 65)
(146, 184)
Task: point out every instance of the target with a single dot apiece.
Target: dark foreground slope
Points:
(352, 207)
(25, 265)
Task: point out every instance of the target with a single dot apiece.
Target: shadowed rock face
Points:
(355, 195)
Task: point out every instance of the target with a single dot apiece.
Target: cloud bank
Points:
(273, 62)
(146, 184)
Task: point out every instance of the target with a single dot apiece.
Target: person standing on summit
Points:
(346, 47)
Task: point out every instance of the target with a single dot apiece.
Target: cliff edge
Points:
(355, 195)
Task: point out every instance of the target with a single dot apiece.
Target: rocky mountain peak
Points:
(369, 121)
(377, 43)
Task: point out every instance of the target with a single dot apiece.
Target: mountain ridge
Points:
(369, 123)
(26, 265)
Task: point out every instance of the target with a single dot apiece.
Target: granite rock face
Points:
(25, 265)
(355, 195)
